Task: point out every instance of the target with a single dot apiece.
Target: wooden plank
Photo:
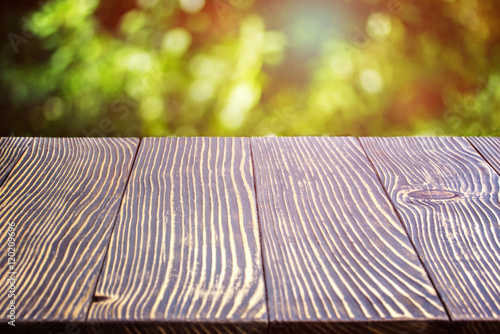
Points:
(11, 150)
(63, 197)
(489, 148)
(447, 197)
(185, 256)
(337, 260)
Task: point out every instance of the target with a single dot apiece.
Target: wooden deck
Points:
(250, 235)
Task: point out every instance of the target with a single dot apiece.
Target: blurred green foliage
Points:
(251, 68)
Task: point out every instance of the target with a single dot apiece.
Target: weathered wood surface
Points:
(447, 197)
(336, 257)
(11, 150)
(185, 255)
(63, 197)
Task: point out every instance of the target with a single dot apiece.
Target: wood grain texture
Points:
(447, 197)
(334, 250)
(63, 196)
(11, 150)
(489, 148)
(185, 256)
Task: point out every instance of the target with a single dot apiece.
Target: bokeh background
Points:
(250, 67)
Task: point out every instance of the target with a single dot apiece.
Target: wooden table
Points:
(250, 235)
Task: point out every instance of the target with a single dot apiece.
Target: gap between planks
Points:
(405, 229)
(93, 300)
(259, 222)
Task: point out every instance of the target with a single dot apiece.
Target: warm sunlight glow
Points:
(192, 6)
(371, 81)
(251, 67)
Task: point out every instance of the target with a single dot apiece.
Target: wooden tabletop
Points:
(250, 235)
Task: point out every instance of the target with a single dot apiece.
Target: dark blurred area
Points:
(250, 68)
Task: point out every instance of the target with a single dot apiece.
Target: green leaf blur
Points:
(251, 68)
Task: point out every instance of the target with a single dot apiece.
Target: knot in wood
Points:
(436, 195)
